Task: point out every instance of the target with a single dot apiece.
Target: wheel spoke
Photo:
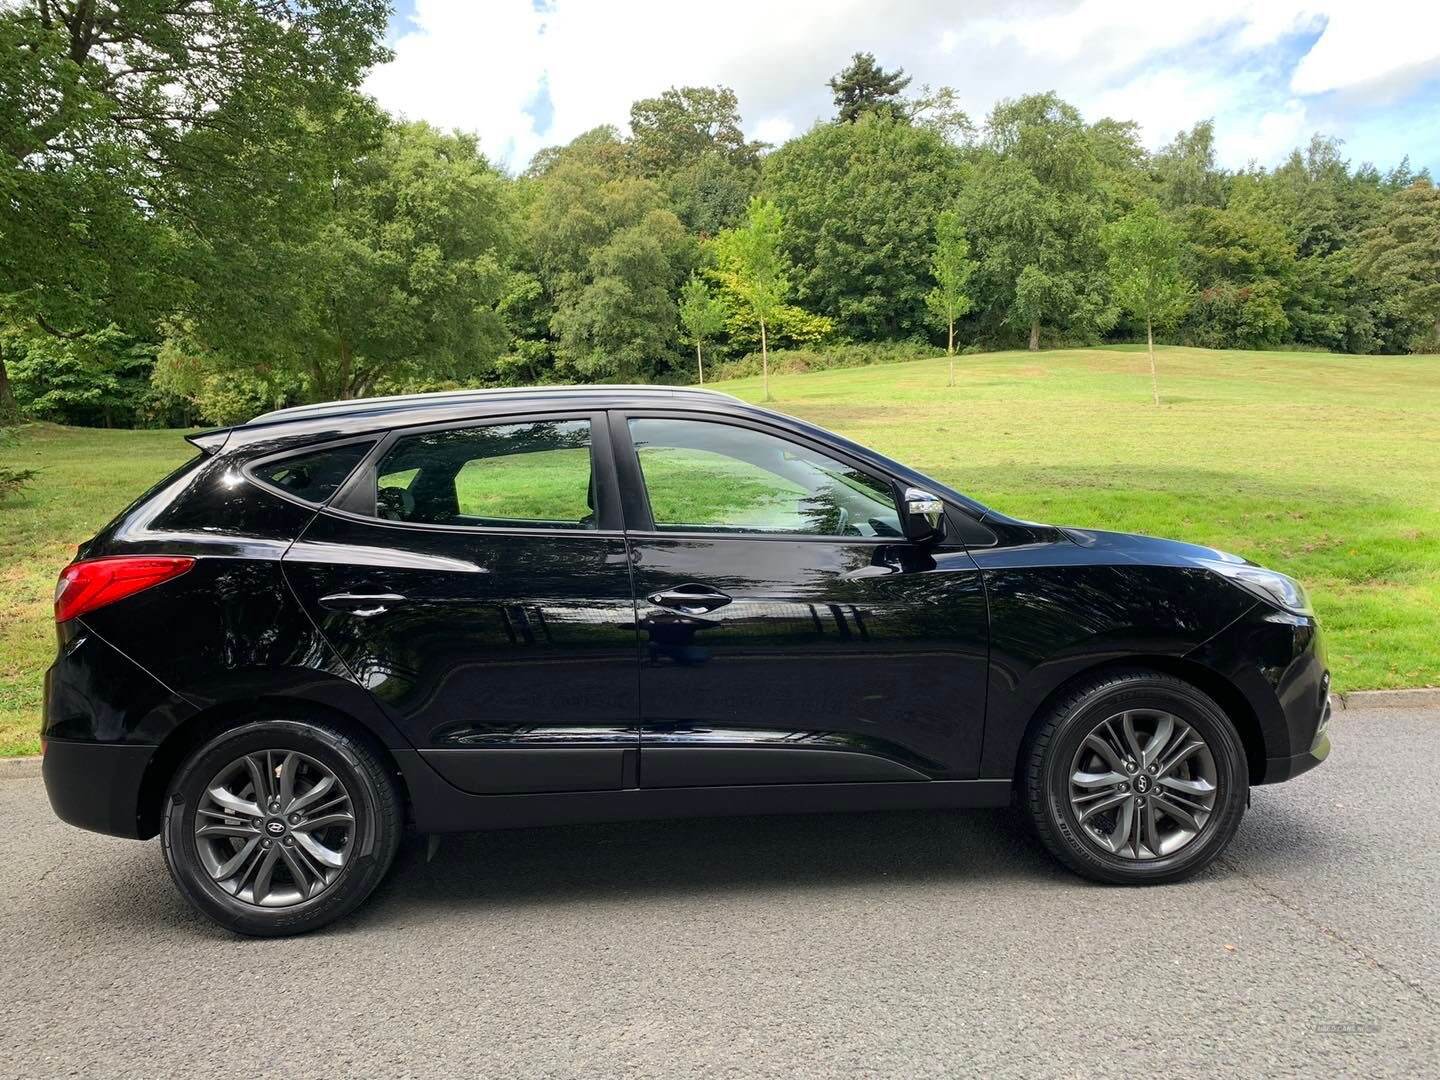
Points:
(321, 788)
(233, 803)
(1181, 815)
(1102, 746)
(1164, 727)
(319, 852)
(1090, 780)
(265, 874)
(306, 878)
(1151, 827)
(228, 869)
(243, 831)
(1124, 820)
(326, 820)
(1197, 789)
(286, 785)
(255, 765)
(1132, 740)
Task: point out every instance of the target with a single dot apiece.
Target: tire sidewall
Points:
(1188, 705)
(371, 849)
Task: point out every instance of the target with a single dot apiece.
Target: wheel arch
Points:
(1223, 692)
(204, 725)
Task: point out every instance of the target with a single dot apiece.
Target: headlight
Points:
(1276, 588)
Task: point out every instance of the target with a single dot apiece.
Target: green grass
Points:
(1326, 467)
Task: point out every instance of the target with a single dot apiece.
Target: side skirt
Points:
(438, 806)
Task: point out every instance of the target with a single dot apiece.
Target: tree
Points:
(864, 86)
(752, 262)
(859, 204)
(951, 267)
(702, 315)
(1033, 203)
(681, 126)
(132, 132)
(1144, 250)
(391, 276)
(1403, 252)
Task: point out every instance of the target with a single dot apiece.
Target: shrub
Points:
(844, 355)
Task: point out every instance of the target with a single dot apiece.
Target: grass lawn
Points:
(1326, 467)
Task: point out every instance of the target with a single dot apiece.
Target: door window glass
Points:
(529, 475)
(313, 476)
(710, 477)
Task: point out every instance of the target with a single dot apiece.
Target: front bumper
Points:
(1286, 768)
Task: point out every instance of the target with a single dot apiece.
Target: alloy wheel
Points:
(1142, 784)
(275, 828)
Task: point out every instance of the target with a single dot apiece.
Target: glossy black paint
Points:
(527, 676)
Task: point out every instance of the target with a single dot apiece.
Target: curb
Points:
(13, 768)
(1425, 697)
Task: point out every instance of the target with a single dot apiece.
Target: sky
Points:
(525, 74)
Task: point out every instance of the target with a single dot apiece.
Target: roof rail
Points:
(400, 401)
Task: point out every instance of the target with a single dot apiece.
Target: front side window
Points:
(712, 477)
(527, 475)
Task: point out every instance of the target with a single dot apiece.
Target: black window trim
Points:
(359, 487)
(247, 470)
(636, 498)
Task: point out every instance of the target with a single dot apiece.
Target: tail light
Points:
(85, 586)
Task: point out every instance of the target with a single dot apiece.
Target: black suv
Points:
(490, 609)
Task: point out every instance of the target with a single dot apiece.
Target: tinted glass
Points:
(703, 476)
(527, 474)
(316, 475)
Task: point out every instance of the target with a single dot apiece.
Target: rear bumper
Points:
(97, 785)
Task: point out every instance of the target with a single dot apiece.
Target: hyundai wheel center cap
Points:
(1142, 784)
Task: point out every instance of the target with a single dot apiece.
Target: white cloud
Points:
(1251, 66)
(1362, 50)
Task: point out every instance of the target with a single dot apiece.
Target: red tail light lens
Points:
(85, 586)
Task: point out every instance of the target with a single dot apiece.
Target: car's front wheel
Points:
(1135, 778)
(280, 826)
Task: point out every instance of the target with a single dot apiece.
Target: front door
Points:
(474, 579)
(789, 633)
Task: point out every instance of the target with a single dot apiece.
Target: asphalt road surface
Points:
(904, 944)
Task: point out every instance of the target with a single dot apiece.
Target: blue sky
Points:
(529, 73)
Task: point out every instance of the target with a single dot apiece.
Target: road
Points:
(902, 944)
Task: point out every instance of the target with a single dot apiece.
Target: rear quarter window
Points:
(313, 475)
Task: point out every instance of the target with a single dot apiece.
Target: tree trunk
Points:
(765, 360)
(9, 411)
(700, 362)
(346, 359)
(1035, 335)
(950, 351)
(1154, 379)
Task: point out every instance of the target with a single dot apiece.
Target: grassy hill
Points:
(1326, 467)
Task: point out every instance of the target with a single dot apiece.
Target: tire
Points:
(302, 891)
(1060, 753)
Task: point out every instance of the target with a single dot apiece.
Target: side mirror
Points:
(923, 516)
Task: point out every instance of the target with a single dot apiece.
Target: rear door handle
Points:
(362, 604)
(689, 599)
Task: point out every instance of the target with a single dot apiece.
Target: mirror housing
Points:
(922, 515)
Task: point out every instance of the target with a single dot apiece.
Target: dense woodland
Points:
(202, 217)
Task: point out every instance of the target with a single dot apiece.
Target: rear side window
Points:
(519, 475)
(314, 475)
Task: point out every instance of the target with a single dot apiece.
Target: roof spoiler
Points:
(209, 442)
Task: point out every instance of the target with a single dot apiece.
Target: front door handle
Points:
(689, 599)
(362, 604)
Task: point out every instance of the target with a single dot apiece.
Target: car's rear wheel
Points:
(280, 826)
(1135, 778)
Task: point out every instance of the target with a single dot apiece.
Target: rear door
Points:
(474, 578)
(789, 633)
